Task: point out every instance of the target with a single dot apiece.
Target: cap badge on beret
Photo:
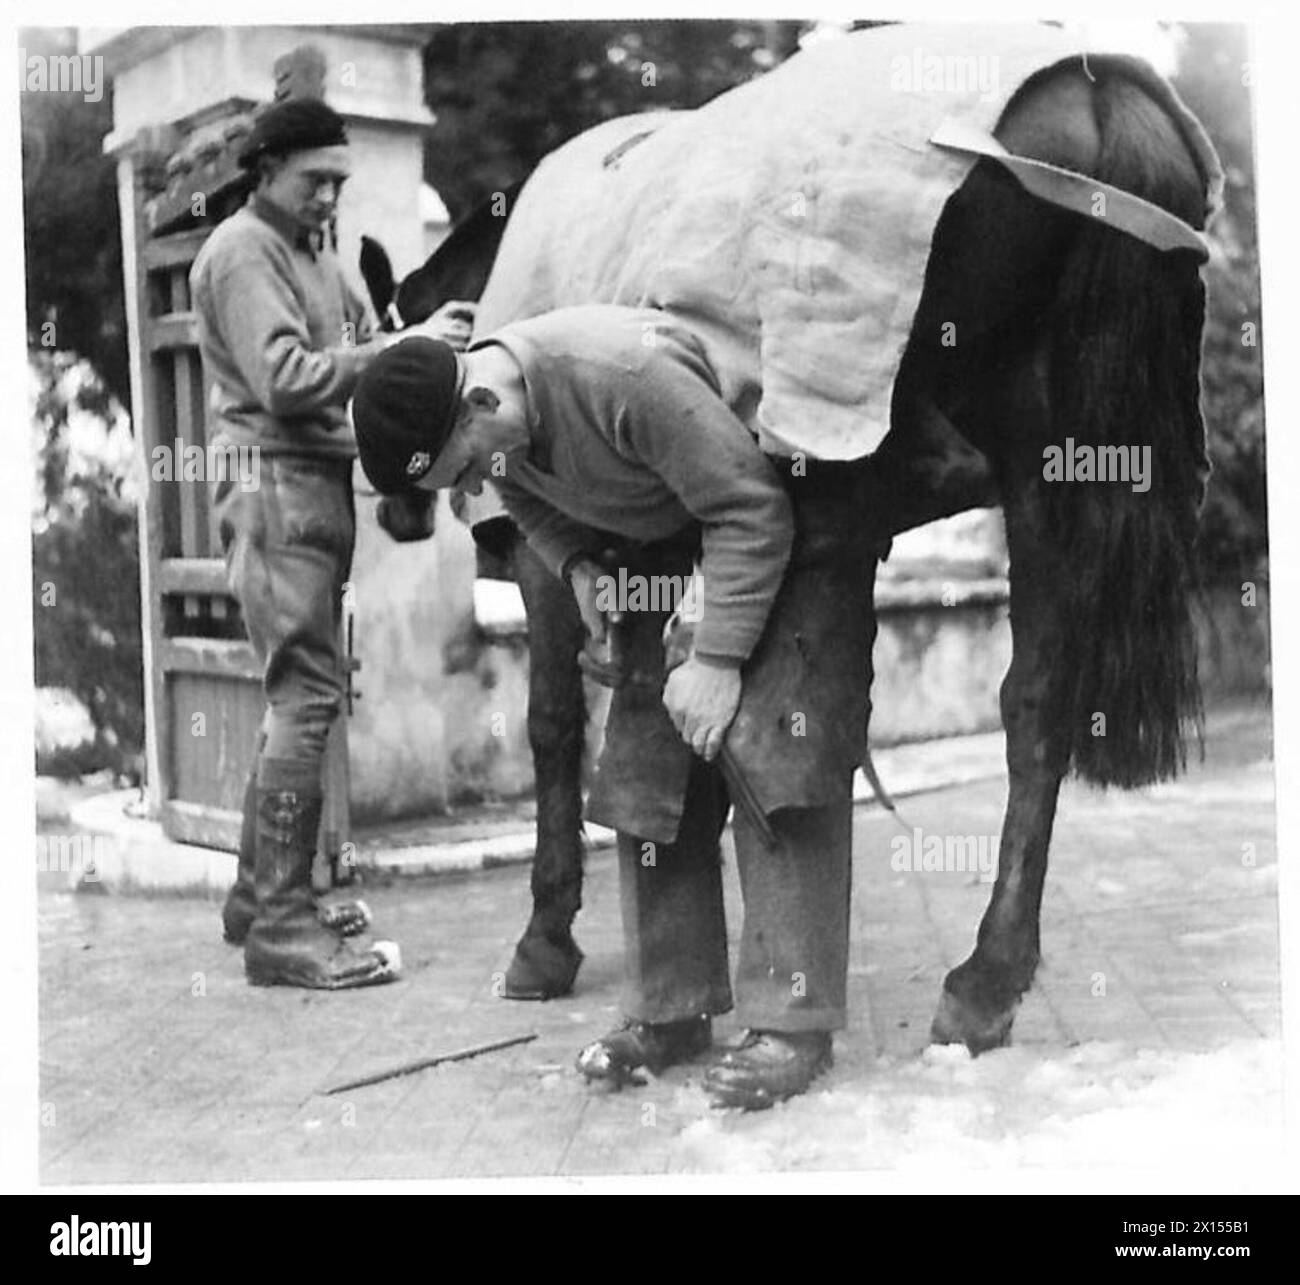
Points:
(419, 464)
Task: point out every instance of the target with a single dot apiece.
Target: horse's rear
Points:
(1076, 337)
(1028, 327)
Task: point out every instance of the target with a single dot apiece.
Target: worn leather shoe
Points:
(767, 1067)
(617, 1056)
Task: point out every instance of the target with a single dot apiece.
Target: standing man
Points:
(284, 340)
(604, 429)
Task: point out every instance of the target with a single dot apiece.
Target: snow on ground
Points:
(1108, 1104)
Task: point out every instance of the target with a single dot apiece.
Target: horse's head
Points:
(457, 269)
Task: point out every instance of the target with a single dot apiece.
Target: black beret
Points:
(292, 126)
(403, 411)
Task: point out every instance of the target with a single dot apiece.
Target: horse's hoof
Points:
(542, 969)
(957, 1023)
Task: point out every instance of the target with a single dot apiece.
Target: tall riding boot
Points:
(287, 945)
(241, 901)
(348, 917)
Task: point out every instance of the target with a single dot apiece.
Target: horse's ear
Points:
(377, 273)
(460, 266)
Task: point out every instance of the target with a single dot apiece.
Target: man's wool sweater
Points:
(283, 335)
(630, 435)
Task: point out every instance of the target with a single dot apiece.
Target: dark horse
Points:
(1069, 329)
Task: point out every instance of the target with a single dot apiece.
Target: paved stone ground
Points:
(158, 1063)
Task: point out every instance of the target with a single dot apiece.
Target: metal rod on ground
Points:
(423, 1063)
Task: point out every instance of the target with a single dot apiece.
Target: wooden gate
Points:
(206, 683)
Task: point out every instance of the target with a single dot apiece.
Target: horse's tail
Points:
(1125, 372)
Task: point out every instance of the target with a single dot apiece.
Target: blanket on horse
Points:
(788, 221)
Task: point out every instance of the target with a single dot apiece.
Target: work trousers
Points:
(793, 962)
(288, 547)
(798, 738)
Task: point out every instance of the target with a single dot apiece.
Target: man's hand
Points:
(584, 579)
(702, 697)
(453, 324)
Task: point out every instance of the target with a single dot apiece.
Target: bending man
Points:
(605, 433)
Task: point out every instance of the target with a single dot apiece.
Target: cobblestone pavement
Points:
(158, 1062)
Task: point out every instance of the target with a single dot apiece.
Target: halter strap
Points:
(1077, 192)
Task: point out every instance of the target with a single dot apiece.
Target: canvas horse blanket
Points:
(788, 221)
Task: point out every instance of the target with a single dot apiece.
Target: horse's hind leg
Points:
(546, 959)
(980, 996)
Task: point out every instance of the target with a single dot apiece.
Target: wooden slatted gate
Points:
(206, 684)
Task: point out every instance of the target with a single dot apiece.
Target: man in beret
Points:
(605, 432)
(284, 339)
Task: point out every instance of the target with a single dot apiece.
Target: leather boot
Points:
(768, 1067)
(616, 1056)
(287, 945)
(346, 916)
(241, 901)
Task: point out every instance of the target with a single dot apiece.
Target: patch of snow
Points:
(1103, 1104)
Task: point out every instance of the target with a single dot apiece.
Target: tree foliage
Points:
(85, 574)
(71, 234)
(1213, 78)
(85, 562)
(507, 93)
